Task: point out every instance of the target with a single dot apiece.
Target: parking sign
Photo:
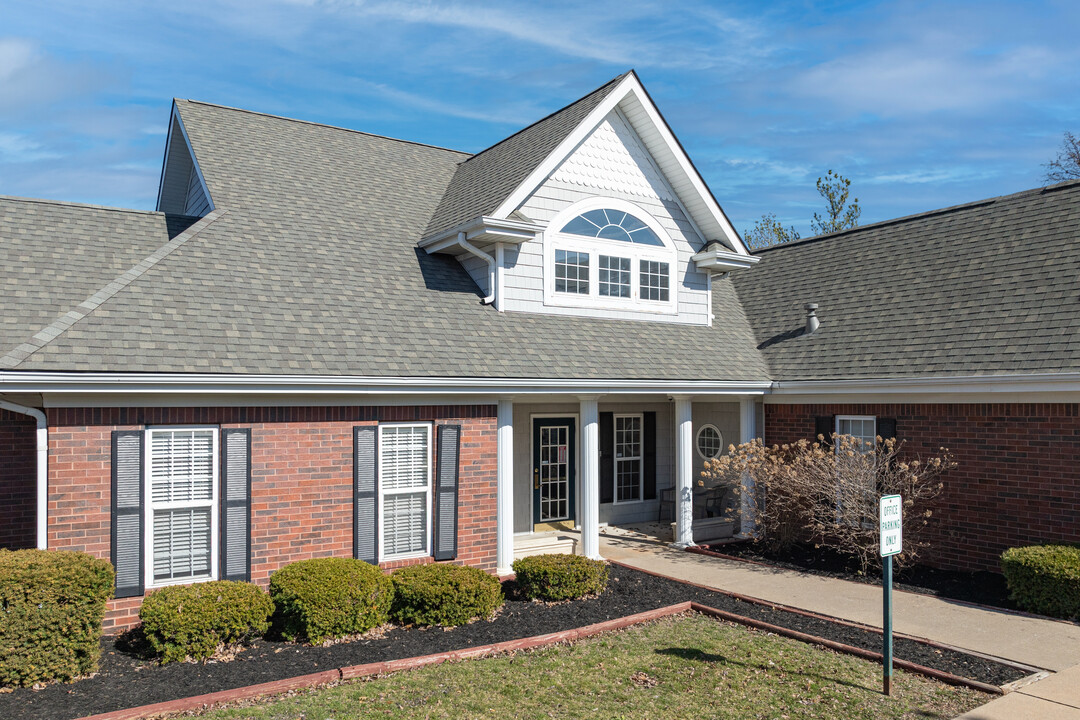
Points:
(891, 525)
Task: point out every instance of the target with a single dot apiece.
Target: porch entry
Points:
(554, 469)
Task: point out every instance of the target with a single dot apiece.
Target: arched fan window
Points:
(612, 224)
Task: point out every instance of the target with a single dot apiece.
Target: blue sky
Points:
(921, 105)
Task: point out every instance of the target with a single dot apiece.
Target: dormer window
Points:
(607, 253)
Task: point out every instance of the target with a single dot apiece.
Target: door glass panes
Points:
(627, 458)
(571, 272)
(654, 280)
(613, 276)
(554, 473)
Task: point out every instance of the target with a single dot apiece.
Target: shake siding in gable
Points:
(610, 163)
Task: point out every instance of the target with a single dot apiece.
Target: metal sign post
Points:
(890, 530)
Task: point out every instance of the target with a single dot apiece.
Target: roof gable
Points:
(182, 189)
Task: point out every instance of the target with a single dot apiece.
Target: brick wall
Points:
(1018, 480)
(18, 481)
(301, 489)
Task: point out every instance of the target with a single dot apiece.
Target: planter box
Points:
(708, 529)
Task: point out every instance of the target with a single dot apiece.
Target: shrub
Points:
(444, 594)
(1044, 579)
(195, 620)
(560, 577)
(328, 598)
(52, 603)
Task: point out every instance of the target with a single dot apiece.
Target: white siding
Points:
(610, 163)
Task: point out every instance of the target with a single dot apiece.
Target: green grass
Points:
(685, 667)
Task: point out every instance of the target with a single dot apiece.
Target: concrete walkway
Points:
(1046, 644)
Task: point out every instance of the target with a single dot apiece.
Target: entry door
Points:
(554, 444)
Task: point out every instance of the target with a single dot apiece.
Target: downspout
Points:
(472, 249)
(42, 467)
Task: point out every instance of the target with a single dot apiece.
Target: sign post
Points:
(890, 530)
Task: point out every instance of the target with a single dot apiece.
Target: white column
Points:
(590, 477)
(504, 512)
(748, 508)
(684, 472)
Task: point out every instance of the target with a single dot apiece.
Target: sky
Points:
(920, 105)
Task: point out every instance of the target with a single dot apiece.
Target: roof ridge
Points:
(925, 214)
(319, 124)
(62, 324)
(87, 206)
(584, 97)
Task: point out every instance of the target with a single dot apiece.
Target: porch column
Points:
(590, 477)
(747, 506)
(504, 511)
(684, 472)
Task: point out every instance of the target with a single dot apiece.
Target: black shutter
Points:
(127, 511)
(235, 519)
(446, 492)
(365, 495)
(607, 457)
(886, 428)
(649, 449)
(825, 425)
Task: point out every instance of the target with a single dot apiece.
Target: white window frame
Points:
(640, 457)
(836, 429)
(697, 441)
(149, 506)
(595, 247)
(383, 492)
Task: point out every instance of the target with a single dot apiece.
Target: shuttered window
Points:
(182, 510)
(404, 491)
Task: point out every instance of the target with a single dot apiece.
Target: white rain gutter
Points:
(42, 467)
(470, 248)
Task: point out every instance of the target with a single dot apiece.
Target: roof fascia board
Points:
(504, 230)
(1015, 383)
(179, 122)
(165, 160)
(121, 383)
(630, 85)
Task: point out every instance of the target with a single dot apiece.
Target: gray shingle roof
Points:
(313, 269)
(985, 288)
(482, 182)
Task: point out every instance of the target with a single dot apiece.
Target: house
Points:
(325, 342)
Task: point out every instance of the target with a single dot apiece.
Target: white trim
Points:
(640, 458)
(149, 506)
(554, 240)
(120, 383)
(628, 87)
(381, 491)
(697, 441)
(483, 229)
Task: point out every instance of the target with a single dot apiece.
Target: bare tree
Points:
(1066, 166)
(828, 494)
(768, 231)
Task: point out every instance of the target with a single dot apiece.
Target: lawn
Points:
(690, 666)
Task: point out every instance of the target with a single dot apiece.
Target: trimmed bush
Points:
(560, 577)
(445, 595)
(52, 603)
(324, 598)
(1044, 579)
(193, 621)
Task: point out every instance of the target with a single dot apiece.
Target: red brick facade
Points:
(18, 481)
(1018, 480)
(301, 479)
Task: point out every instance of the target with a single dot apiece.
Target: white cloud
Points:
(19, 148)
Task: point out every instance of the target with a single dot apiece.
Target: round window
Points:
(710, 442)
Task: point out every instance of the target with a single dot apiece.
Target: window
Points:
(628, 477)
(572, 272)
(633, 260)
(614, 276)
(710, 442)
(404, 491)
(853, 498)
(181, 508)
(862, 427)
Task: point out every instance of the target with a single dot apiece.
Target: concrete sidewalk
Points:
(1046, 644)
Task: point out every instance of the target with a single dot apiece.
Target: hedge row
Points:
(560, 577)
(1044, 579)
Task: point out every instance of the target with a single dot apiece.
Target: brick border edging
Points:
(699, 550)
(201, 702)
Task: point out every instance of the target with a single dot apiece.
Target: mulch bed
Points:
(125, 680)
(982, 587)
